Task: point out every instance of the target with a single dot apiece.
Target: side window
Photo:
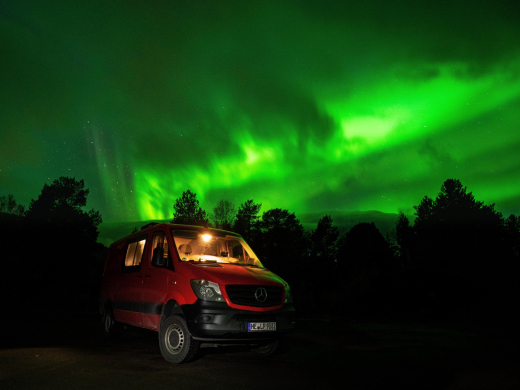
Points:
(160, 241)
(235, 249)
(134, 255)
(130, 254)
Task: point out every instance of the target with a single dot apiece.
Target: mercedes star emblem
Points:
(261, 294)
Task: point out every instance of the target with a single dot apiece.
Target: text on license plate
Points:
(260, 326)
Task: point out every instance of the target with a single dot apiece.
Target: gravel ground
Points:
(67, 351)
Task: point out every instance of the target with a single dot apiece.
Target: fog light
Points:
(205, 318)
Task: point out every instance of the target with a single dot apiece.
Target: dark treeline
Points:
(458, 258)
(51, 256)
(465, 255)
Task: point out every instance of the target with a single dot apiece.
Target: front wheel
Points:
(175, 341)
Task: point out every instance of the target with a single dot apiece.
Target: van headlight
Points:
(206, 290)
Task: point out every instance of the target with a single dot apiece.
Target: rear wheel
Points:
(110, 326)
(175, 341)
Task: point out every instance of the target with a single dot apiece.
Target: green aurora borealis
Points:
(310, 106)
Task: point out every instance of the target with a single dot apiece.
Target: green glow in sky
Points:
(329, 107)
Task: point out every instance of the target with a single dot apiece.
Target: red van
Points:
(194, 285)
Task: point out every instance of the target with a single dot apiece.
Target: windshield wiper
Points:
(246, 265)
(201, 260)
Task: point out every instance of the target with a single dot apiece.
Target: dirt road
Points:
(69, 352)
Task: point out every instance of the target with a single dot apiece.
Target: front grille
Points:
(244, 294)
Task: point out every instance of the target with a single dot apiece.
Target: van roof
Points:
(156, 225)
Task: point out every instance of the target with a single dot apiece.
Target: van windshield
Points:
(206, 246)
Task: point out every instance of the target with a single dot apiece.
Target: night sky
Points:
(312, 106)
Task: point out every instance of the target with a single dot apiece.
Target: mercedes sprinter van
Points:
(194, 285)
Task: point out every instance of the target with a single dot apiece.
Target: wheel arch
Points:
(171, 307)
(104, 304)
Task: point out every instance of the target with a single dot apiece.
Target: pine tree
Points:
(187, 211)
(455, 231)
(247, 221)
(224, 214)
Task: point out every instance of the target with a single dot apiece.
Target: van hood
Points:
(236, 274)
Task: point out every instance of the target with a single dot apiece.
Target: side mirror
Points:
(158, 259)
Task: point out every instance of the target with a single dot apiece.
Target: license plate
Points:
(261, 326)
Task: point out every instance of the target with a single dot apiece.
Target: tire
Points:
(177, 345)
(268, 349)
(110, 326)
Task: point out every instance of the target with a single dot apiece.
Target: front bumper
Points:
(214, 321)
